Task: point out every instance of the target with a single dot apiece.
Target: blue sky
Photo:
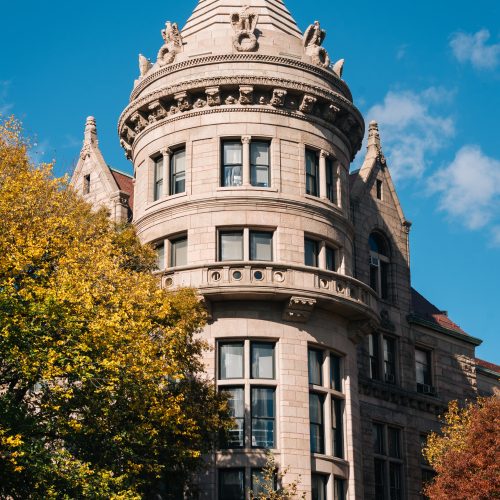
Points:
(428, 71)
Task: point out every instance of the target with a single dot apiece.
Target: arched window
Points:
(379, 264)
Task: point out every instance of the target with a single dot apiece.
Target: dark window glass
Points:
(389, 360)
(316, 423)
(260, 164)
(339, 489)
(261, 484)
(232, 163)
(261, 246)
(315, 362)
(337, 428)
(232, 484)
(311, 252)
(331, 187)
(395, 480)
(231, 245)
(331, 264)
(380, 484)
(312, 169)
(423, 369)
(263, 417)
(262, 360)
(178, 172)
(158, 178)
(374, 273)
(86, 184)
(378, 439)
(335, 373)
(318, 487)
(393, 439)
(384, 279)
(231, 361)
(236, 399)
(374, 356)
(378, 244)
(178, 248)
(379, 189)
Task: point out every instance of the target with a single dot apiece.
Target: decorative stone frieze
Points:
(183, 101)
(156, 111)
(307, 104)
(244, 24)
(246, 94)
(299, 309)
(278, 98)
(313, 39)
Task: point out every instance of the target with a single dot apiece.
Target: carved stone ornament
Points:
(213, 96)
(307, 104)
(127, 148)
(144, 65)
(85, 152)
(299, 309)
(338, 68)
(157, 111)
(246, 94)
(358, 330)
(200, 103)
(278, 99)
(244, 24)
(172, 46)
(139, 122)
(231, 100)
(312, 40)
(183, 101)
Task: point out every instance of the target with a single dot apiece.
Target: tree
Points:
(101, 391)
(466, 455)
(270, 486)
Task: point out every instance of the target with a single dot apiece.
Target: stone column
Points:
(246, 140)
(322, 255)
(167, 154)
(323, 155)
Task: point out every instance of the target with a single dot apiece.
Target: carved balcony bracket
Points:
(299, 309)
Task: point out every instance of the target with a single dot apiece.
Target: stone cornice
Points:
(235, 58)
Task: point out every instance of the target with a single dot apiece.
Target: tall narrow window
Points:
(158, 178)
(389, 360)
(231, 245)
(339, 489)
(423, 371)
(231, 360)
(380, 480)
(262, 360)
(311, 250)
(335, 373)
(178, 172)
(337, 428)
(318, 487)
(316, 423)
(178, 252)
(232, 163)
(312, 172)
(379, 265)
(331, 185)
(379, 189)
(232, 484)
(373, 351)
(86, 184)
(315, 363)
(261, 246)
(160, 256)
(331, 264)
(395, 481)
(260, 164)
(263, 418)
(236, 402)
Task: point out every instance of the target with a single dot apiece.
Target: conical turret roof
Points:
(273, 16)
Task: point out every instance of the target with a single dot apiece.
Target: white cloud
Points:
(469, 189)
(412, 128)
(473, 48)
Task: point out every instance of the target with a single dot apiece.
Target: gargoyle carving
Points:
(278, 99)
(246, 94)
(313, 39)
(213, 96)
(172, 46)
(307, 104)
(244, 24)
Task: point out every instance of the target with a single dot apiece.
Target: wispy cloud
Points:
(474, 48)
(413, 128)
(401, 52)
(469, 189)
(5, 106)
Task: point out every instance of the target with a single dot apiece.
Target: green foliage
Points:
(101, 392)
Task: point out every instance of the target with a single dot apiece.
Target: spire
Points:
(90, 137)
(273, 15)
(374, 146)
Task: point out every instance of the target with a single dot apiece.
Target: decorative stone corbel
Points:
(140, 123)
(172, 46)
(244, 24)
(358, 330)
(213, 96)
(278, 99)
(331, 113)
(299, 309)
(246, 94)
(307, 104)
(157, 111)
(183, 101)
(312, 40)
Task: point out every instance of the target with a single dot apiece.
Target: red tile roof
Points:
(486, 364)
(423, 308)
(126, 184)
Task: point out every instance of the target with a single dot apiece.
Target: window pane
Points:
(422, 367)
(315, 361)
(311, 252)
(318, 487)
(158, 178)
(384, 280)
(261, 484)
(312, 167)
(335, 375)
(380, 484)
(316, 423)
(374, 358)
(160, 256)
(259, 159)
(233, 153)
(178, 172)
(232, 164)
(331, 191)
(337, 428)
(232, 176)
(260, 176)
(231, 361)
(339, 489)
(396, 488)
(393, 437)
(330, 259)
(378, 439)
(236, 401)
(232, 484)
(231, 245)
(389, 360)
(262, 360)
(261, 246)
(179, 252)
(262, 417)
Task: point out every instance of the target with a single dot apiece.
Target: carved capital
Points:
(324, 154)
(246, 139)
(166, 152)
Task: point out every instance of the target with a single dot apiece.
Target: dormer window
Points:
(379, 264)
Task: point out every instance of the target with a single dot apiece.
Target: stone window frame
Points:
(246, 230)
(166, 155)
(246, 173)
(87, 184)
(167, 246)
(377, 361)
(426, 389)
(171, 241)
(324, 244)
(248, 383)
(380, 266)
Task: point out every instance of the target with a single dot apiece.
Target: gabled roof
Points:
(125, 183)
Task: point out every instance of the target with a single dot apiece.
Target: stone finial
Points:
(144, 65)
(374, 146)
(90, 131)
(172, 46)
(313, 39)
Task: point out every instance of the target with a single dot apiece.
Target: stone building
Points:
(241, 135)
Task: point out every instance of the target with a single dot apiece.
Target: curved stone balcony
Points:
(304, 287)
